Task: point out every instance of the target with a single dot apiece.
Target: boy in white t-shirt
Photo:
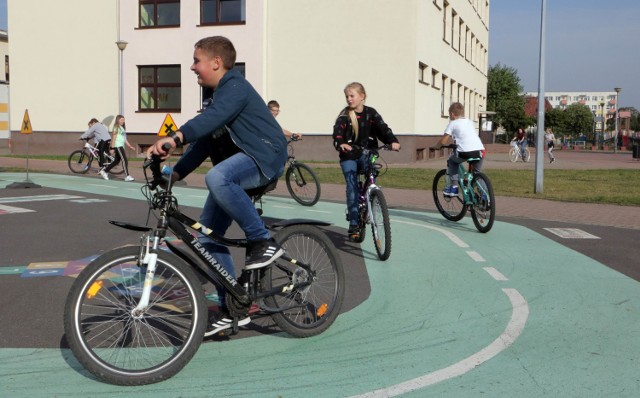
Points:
(463, 133)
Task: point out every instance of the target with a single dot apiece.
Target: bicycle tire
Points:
(311, 310)
(79, 161)
(527, 155)
(513, 155)
(119, 347)
(380, 225)
(483, 211)
(302, 184)
(362, 224)
(451, 207)
(117, 169)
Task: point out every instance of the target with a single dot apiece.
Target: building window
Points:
(159, 13)
(159, 88)
(222, 11)
(422, 73)
(434, 78)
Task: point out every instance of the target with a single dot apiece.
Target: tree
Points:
(504, 97)
(579, 120)
(556, 119)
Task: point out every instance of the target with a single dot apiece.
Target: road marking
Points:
(571, 233)
(88, 200)
(38, 198)
(475, 256)
(11, 210)
(495, 274)
(519, 316)
(320, 211)
(452, 237)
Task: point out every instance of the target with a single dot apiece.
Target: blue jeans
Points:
(350, 170)
(453, 163)
(227, 202)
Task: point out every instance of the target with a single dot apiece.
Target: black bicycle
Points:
(302, 183)
(372, 205)
(137, 314)
(475, 193)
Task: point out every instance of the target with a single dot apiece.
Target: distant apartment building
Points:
(4, 92)
(414, 57)
(601, 104)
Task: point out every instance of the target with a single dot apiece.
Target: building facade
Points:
(414, 57)
(602, 104)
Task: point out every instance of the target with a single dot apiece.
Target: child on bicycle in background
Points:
(274, 108)
(253, 154)
(521, 142)
(463, 133)
(100, 134)
(358, 127)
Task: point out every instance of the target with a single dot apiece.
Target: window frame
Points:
(155, 14)
(155, 85)
(243, 4)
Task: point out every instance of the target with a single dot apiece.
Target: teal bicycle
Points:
(475, 193)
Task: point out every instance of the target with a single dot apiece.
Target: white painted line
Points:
(283, 207)
(571, 233)
(100, 185)
(519, 316)
(10, 209)
(320, 211)
(38, 198)
(475, 256)
(495, 274)
(452, 237)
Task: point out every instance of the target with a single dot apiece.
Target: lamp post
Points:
(603, 124)
(615, 137)
(121, 46)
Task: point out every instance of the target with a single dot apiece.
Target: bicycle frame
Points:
(173, 220)
(369, 184)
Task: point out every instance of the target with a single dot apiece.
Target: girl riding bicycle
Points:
(463, 132)
(358, 127)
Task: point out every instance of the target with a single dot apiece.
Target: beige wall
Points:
(64, 63)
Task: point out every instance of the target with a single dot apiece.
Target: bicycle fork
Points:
(149, 257)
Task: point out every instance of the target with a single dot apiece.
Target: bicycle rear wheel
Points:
(483, 211)
(381, 225)
(120, 345)
(302, 184)
(80, 161)
(451, 207)
(308, 310)
(527, 155)
(117, 169)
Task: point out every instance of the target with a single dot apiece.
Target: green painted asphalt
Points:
(452, 313)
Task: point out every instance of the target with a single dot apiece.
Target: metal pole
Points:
(539, 177)
(615, 137)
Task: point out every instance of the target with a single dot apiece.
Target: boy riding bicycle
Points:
(463, 133)
(252, 154)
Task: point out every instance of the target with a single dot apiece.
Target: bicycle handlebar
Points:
(153, 164)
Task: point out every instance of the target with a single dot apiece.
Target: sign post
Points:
(25, 129)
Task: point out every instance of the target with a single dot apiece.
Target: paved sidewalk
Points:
(582, 213)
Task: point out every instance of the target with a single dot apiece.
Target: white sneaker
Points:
(129, 178)
(104, 174)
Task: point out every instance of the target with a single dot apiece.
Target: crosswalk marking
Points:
(571, 233)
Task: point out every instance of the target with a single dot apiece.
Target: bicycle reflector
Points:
(322, 310)
(94, 289)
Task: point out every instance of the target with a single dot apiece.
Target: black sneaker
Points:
(353, 232)
(221, 321)
(262, 253)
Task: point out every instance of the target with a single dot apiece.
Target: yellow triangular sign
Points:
(168, 125)
(26, 124)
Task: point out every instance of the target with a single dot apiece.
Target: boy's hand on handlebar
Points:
(162, 148)
(395, 146)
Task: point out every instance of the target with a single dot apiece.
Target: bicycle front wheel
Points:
(483, 211)
(121, 344)
(451, 207)
(302, 184)
(311, 308)
(513, 155)
(80, 161)
(380, 225)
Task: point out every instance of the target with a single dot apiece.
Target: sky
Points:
(590, 45)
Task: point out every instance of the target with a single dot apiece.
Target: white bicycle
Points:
(80, 160)
(515, 153)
